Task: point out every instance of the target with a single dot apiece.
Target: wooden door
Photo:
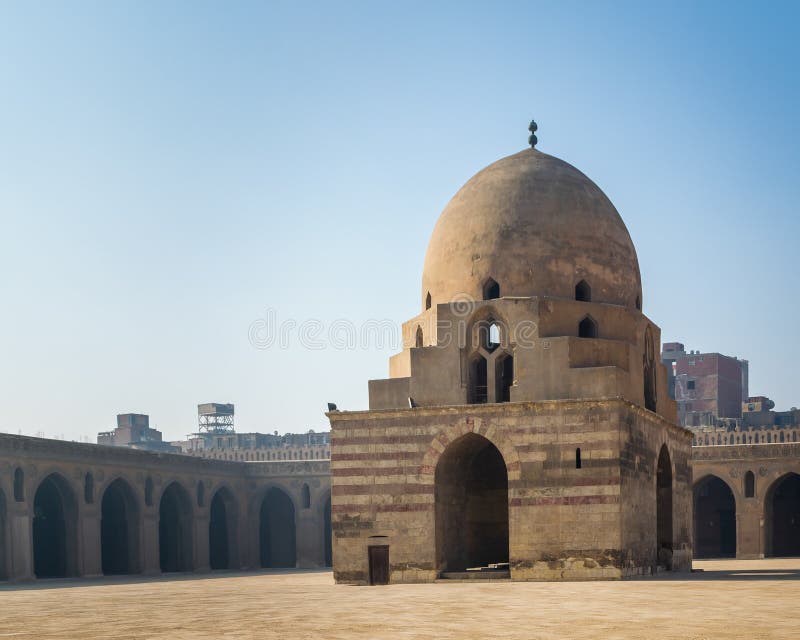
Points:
(379, 564)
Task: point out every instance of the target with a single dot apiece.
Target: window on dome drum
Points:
(638, 303)
(491, 290)
(578, 458)
(490, 337)
(428, 301)
(419, 338)
(503, 378)
(478, 385)
(583, 292)
(587, 328)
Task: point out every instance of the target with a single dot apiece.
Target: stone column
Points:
(310, 551)
(150, 558)
(202, 558)
(89, 542)
(20, 533)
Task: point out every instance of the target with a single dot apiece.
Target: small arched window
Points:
(587, 328)
(19, 485)
(504, 378)
(419, 338)
(583, 292)
(639, 303)
(478, 389)
(201, 494)
(148, 491)
(88, 488)
(578, 462)
(491, 290)
(306, 497)
(749, 485)
(428, 301)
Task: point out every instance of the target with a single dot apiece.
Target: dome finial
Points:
(532, 139)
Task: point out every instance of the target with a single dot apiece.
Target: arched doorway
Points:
(222, 530)
(119, 529)
(783, 517)
(327, 531)
(664, 508)
(471, 494)
(55, 518)
(175, 529)
(276, 531)
(714, 519)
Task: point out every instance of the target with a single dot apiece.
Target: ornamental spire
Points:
(532, 139)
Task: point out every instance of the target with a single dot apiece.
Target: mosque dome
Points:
(531, 225)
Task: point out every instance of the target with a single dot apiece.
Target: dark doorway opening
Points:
(328, 537)
(583, 292)
(783, 517)
(504, 378)
(378, 564)
(471, 494)
(222, 530)
(664, 508)
(478, 384)
(54, 529)
(491, 290)
(714, 519)
(277, 530)
(175, 530)
(119, 530)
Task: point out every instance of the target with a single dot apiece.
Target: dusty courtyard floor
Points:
(730, 599)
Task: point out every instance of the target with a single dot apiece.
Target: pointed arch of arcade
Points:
(782, 517)
(714, 507)
(175, 529)
(120, 528)
(223, 529)
(274, 527)
(55, 528)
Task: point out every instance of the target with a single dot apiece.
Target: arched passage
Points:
(175, 529)
(55, 519)
(783, 517)
(471, 495)
(714, 519)
(222, 530)
(119, 529)
(664, 508)
(276, 531)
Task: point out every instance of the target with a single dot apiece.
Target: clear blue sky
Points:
(171, 170)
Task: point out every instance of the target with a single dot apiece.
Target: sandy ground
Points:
(729, 599)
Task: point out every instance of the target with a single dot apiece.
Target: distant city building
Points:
(133, 430)
(217, 438)
(706, 386)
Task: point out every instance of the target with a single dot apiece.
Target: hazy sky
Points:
(173, 172)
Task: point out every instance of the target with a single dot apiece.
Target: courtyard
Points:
(728, 599)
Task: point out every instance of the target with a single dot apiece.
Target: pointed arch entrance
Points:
(119, 529)
(55, 520)
(714, 519)
(471, 496)
(782, 517)
(175, 529)
(276, 531)
(222, 532)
